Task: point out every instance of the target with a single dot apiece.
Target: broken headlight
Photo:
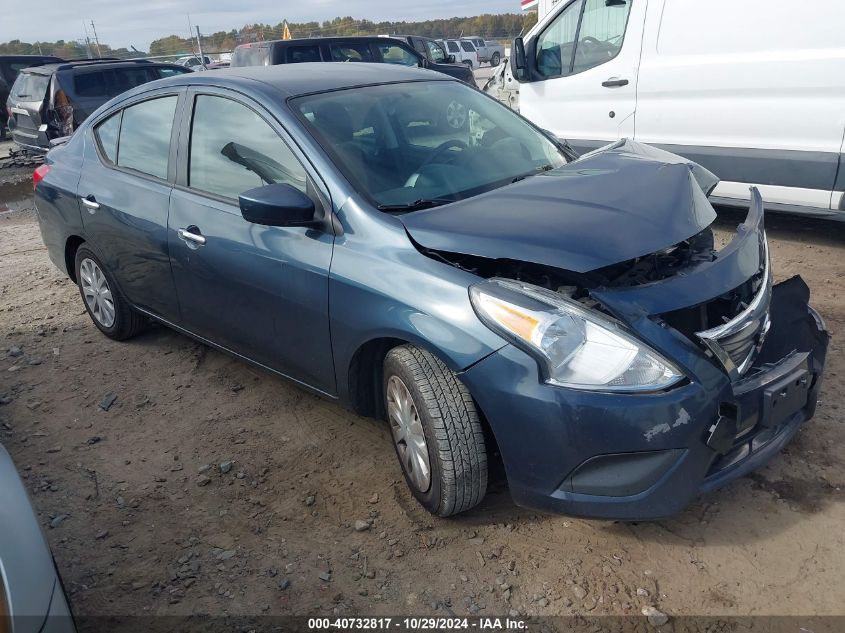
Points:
(576, 347)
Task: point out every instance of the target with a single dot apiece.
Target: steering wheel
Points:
(444, 147)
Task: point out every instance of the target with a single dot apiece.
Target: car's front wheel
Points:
(104, 302)
(437, 432)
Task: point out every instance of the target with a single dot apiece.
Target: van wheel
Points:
(494, 61)
(104, 302)
(436, 431)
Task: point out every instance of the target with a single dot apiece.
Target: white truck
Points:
(754, 91)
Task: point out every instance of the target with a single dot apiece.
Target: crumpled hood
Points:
(611, 205)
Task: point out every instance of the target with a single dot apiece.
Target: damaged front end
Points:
(751, 352)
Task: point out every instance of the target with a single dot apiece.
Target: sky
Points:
(124, 23)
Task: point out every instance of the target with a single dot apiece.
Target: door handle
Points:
(613, 82)
(188, 236)
(90, 203)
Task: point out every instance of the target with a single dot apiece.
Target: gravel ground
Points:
(208, 486)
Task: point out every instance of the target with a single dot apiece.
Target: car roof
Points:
(293, 80)
(48, 69)
(323, 40)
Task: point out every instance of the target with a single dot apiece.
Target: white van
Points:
(752, 90)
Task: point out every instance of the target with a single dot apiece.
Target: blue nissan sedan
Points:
(484, 290)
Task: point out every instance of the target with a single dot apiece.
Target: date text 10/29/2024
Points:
(416, 624)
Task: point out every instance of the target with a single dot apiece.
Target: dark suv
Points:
(50, 101)
(10, 66)
(387, 50)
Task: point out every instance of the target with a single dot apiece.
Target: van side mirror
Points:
(450, 59)
(278, 204)
(519, 68)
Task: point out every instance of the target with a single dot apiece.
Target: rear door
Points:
(583, 67)
(259, 291)
(124, 191)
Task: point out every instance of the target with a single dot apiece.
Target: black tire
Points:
(494, 61)
(127, 321)
(452, 428)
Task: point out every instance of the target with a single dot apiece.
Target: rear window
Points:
(145, 136)
(351, 52)
(106, 133)
(453, 47)
(30, 87)
(170, 72)
(123, 79)
(90, 84)
(468, 47)
(299, 54)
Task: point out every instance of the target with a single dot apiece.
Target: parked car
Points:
(482, 290)
(32, 598)
(10, 66)
(343, 49)
(495, 52)
(429, 48)
(193, 61)
(761, 106)
(464, 52)
(50, 101)
(488, 51)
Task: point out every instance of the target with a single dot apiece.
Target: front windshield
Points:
(418, 144)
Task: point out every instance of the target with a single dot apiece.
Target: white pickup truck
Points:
(754, 91)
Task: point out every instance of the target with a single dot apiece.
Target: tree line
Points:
(503, 27)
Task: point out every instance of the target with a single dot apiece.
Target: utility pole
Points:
(96, 39)
(87, 40)
(199, 46)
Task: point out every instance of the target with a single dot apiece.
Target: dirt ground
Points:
(142, 518)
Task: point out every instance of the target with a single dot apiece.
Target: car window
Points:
(403, 142)
(435, 52)
(123, 79)
(393, 54)
(30, 87)
(601, 33)
(169, 72)
(557, 43)
(145, 136)
(468, 47)
(299, 54)
(90, 84)
(233, 150)
(351, 52)
(453, 47)
(106, 134)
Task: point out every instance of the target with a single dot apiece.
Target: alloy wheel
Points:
(97, 293)
(408, 434)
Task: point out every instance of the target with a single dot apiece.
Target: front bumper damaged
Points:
(645, 456)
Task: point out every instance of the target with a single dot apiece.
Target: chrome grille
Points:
(736, 343)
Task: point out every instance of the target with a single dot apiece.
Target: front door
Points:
(583, 72)
(259, 291)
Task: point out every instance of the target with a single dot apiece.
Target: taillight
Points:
(38, 174)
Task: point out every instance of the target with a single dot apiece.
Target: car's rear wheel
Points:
(494, 61)
(104, 302)
(436, 430)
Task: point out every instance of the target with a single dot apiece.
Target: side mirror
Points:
(278, 204)
(519, 68)
(450, 59)
(423, 62)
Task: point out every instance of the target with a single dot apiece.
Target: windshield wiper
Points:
(417, 205)
(534, 171)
